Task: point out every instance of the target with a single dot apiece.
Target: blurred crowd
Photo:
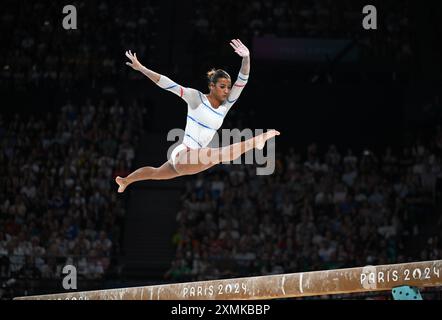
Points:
(58, 203)
(317, 211)
(40, 52)
(325, 19)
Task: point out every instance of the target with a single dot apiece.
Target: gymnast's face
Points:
(221, 89)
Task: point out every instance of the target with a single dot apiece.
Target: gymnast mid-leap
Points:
(205, 115)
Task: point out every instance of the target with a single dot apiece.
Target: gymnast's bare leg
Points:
(182, 167)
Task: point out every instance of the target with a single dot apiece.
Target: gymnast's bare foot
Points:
(122, 184)
(261, 139)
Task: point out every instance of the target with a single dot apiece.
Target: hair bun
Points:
(211, 73)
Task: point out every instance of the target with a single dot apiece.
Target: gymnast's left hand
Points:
(239, 48)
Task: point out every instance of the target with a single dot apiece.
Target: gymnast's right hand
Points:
(135, 64)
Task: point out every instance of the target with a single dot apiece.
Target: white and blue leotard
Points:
(202, 119)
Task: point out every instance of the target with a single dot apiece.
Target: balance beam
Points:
(302, 284)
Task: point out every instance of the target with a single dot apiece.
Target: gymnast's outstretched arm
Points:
(243, 75)
(243, 52)
(187, 94)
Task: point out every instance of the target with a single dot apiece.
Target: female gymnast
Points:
(205, 115)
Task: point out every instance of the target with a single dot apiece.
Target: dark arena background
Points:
(352, 210)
